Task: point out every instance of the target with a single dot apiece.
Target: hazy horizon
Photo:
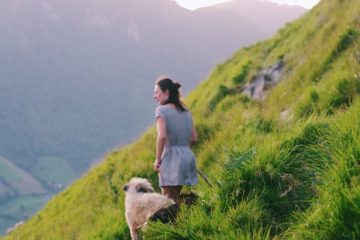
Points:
(192, 5)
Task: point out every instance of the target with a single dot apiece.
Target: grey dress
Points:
(177, 160)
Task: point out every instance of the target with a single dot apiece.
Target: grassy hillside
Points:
(285, 167)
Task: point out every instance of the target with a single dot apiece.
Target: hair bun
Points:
(177, 85)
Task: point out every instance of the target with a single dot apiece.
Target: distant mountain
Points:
(77, 76)
(266, 15)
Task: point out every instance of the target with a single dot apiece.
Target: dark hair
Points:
(174, 95)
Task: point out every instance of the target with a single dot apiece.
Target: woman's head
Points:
(167, 91)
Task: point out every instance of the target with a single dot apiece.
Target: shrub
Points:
(263, 125)
(240, 78)
(342, 45)
(221, 93)
(344, 96)
(260, 125)
(204, 132)
(344, 42)
(314, 96)
(309, 106)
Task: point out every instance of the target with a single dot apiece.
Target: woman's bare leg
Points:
(172, 192)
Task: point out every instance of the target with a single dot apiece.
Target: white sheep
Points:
(141, 202)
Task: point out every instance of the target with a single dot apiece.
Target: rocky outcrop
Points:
(266, 79)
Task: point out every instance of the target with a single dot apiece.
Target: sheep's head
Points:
(138, 185)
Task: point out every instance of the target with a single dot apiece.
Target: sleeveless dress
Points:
(177, 161)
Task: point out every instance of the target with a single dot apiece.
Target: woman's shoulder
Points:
(170, 109)
(162, 108)
(161, 111)
(165, 107)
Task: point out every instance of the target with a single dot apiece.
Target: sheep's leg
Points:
(134, 232)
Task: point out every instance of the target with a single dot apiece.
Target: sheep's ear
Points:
(125, 188)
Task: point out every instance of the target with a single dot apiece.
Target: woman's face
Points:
(160, 96)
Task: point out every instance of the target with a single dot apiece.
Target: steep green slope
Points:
(284, 167)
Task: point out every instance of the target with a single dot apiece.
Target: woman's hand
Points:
(157, 166)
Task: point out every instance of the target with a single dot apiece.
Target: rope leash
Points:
(204, 177)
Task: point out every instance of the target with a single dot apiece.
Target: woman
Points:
(175, 162)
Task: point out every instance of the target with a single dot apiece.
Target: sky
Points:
(193, 4)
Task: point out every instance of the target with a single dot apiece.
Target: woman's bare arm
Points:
(160, 141)
(193, 136)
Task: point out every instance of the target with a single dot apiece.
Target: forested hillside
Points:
(279, 138)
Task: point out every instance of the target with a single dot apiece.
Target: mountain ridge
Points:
(265, 11)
